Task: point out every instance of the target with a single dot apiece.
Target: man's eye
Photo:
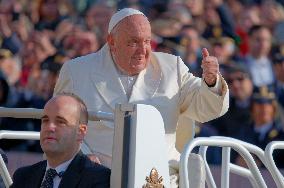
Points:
(132, 43)
(147, 41)
(61, 123)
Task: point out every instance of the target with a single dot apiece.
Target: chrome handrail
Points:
(27, 135)
(35, 113)
(257, 178)
(276, 174)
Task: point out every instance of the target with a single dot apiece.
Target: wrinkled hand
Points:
(210, 68)
(94, 158)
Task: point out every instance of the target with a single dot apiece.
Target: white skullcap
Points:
(120, 15)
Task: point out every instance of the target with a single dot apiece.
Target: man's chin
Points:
(53, 154)
(136, 69)
(49, 149)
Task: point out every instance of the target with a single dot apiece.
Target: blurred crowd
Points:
(247, 37)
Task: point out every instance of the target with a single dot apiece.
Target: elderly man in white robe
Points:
(126, 70)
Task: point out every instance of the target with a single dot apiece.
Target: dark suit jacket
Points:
(233, 121)
(81, 173)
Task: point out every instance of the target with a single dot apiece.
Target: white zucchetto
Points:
(120, 15)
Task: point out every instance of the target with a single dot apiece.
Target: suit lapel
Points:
(72, 175)
(38, 176)
(147, 83)
(107, 81)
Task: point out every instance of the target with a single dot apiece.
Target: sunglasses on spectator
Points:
(237, 78)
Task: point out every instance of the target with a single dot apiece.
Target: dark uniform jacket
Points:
(248, 134)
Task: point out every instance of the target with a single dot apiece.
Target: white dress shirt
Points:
(59, 169)
(261, 71)
(127, 83)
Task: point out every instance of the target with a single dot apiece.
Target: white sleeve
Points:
(198, 101)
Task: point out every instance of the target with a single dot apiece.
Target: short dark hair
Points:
(82, 107)
(256, 28)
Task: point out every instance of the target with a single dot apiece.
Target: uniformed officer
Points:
(264, 128)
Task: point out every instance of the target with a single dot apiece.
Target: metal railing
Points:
(27, 135)
(37, 114)
(253, 174)
(5, 173)
(275, 173)
(241, 171)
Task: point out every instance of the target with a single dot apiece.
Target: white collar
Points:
(62, 167)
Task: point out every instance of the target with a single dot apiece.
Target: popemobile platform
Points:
(140, 156)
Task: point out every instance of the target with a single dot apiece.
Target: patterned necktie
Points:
(48, 180)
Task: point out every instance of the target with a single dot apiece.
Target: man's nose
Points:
(142, 48)
(51, 127)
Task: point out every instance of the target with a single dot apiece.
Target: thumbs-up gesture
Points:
(210, 68)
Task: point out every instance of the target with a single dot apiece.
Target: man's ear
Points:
(82, 131)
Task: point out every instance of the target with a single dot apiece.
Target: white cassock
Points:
(165, 84)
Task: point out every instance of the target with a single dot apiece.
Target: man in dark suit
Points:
(241, 89)
(63, 127)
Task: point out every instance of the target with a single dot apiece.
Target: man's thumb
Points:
(205, 53)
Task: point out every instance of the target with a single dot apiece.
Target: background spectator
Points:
(263, 128)
(238, 115)
(257, 60)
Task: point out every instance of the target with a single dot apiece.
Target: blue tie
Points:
(48, 180)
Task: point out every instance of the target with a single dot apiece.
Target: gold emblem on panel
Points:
(154, 181)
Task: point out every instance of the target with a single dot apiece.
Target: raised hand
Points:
(210, 68)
